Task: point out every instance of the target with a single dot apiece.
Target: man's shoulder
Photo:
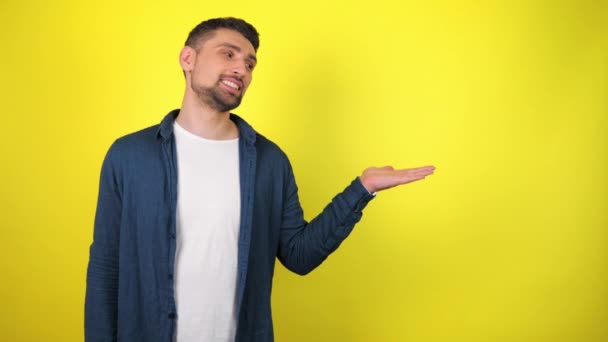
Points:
(144, 136)
(270, 155)
(135, 143)
(266, 145)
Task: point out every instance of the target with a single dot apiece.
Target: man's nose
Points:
(239, 68)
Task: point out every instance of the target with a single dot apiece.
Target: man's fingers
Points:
(418, 171)
(423, 168)
(411, 175)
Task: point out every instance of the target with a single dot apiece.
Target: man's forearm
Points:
(304, 246)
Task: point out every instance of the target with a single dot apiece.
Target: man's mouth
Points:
(231, 84)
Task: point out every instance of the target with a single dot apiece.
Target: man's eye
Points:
(228, 54)
(249, 66)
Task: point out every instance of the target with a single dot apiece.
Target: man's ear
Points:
(186, 58)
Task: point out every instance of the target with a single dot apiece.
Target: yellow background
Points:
(506, 242)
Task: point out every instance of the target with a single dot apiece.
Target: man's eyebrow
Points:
(238, 49)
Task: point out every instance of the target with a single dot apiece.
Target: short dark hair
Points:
(208, 26)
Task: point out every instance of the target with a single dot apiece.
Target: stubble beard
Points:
(216, 98)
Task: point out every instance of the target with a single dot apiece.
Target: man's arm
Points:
(304, 246)
(101, 302)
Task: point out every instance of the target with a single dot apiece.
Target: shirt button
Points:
(170, 276)
(171, 315)
(172, 235)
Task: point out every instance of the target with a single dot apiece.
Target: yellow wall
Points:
(506, 242)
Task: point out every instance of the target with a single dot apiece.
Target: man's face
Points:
(222, 69)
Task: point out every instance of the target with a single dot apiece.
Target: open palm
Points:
(379, 178)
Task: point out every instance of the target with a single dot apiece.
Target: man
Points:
(193, 212)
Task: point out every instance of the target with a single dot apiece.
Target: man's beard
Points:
(216, 98)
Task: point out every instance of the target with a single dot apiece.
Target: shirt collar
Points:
(165, 129)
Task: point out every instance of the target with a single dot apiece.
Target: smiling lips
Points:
(233, 85)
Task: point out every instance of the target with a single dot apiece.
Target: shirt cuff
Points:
(371, 193)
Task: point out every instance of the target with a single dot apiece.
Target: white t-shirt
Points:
(208, 217)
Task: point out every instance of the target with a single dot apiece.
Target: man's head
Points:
(204, 29)
(218, 61)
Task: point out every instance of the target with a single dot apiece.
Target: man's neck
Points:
(204, 121)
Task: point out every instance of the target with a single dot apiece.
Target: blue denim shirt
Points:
(130, 292)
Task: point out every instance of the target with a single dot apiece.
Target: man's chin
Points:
(226, 106)
(219, 99)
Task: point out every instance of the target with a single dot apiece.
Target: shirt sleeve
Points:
(101, 301)
(305, 245)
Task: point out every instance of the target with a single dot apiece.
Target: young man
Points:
(193, 212)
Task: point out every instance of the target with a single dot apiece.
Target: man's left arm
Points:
(305, 245)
